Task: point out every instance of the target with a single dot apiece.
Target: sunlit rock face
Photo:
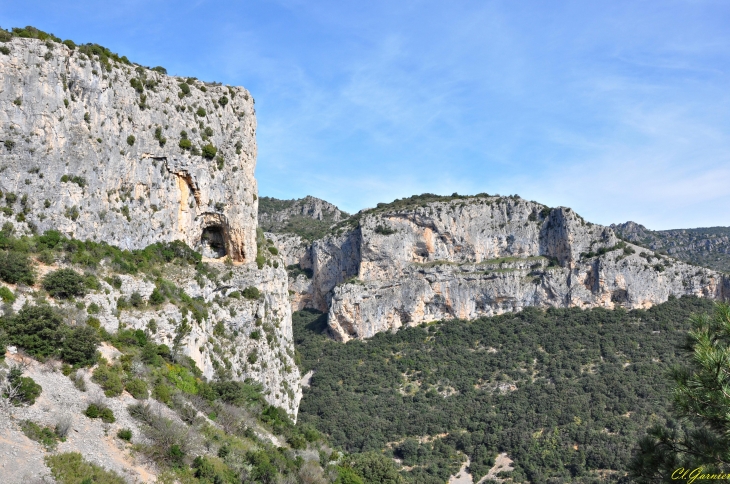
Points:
(100, 153)
(481, 256)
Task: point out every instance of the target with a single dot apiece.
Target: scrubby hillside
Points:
(195, 370)
(310, 218)
(138, 415)
(230, 321)
(707, 247)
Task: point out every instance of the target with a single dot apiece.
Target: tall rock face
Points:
(294, 226)
(708, 246)
(465, 257)
(129, 156)
(98, 151)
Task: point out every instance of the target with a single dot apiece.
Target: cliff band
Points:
(478, 256)
(100, 153)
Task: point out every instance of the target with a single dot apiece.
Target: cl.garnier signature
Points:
(692, 475)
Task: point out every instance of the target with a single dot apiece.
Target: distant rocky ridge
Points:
(308, 217)
(427, 257)
(708, 247)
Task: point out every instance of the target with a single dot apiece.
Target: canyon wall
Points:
(100, 152)
(469, 257)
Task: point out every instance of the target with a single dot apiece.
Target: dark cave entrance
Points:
(212, 242)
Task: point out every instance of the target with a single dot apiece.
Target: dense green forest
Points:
(567, 393)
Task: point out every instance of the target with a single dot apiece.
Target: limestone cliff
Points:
(125, 154)
(407, 263)
(114, 152)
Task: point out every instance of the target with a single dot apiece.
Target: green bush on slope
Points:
(15, 267)
(64, 284)
(24, 389)
(41, 332)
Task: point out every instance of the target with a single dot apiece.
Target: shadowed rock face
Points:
(482, 256)
(101, 160)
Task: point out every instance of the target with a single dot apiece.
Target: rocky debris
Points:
(463, 476)
(307, 378)
(501, 464)
(468, 257)
(122, 154)
(21, 458)
(61, 401)
(708, 247)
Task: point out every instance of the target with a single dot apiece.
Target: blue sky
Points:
(619, 109)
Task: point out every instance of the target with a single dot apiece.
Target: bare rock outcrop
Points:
(467, 257)
(118, 153)
(121, 153)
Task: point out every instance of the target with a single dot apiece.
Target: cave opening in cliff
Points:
(212, 242)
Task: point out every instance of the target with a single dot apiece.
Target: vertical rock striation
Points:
(114, 152)
(466, 257)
